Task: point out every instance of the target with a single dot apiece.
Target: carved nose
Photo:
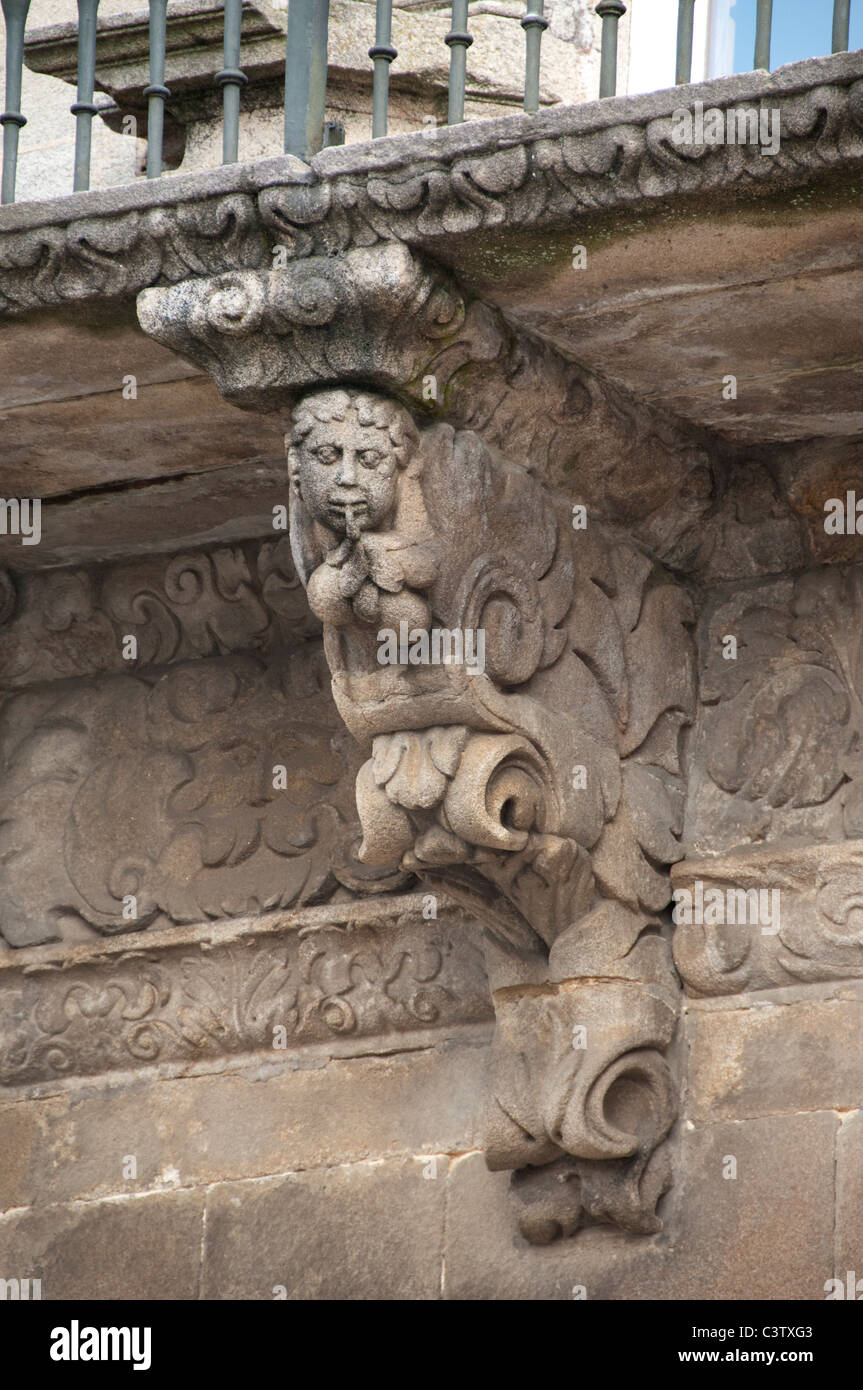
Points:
(347, 474)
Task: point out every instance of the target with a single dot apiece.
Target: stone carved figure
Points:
(347, 449)
(540, 791)
(539, 787)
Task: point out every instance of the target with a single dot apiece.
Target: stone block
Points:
(271, 1119)
(485, 1257)
(849, 1201)
(766, 1234)
(773, 1058)
(359, 1231)
(146, 1247)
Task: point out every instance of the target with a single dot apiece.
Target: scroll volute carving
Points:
(519, 688)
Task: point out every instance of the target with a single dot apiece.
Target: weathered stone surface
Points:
(22, 1128)
(471, 782)
(538, 784)
(41, 357)
(386, 316)
(146, 1247)
(221, 506)
(671, 307)
(305, 1112)
(816, 475)
(527, 171)
(639, 270)
(485, 1259)
(776, 747)
(765, 1058)
(199, 604)
(212, 788)
(278, 1237)
(168, 430)
(766, 1234)
(849, 1204)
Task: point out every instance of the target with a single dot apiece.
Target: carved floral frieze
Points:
(76, 621)
(771, 915)
(266, 987)
(536, 171)
(780, 738)
(209, 789)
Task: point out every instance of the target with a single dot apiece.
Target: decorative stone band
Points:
(73, 621)
(769, 916)
(259, 987)
(516, 172)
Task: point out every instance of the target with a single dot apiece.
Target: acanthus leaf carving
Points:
(206, 789)
(782, 723)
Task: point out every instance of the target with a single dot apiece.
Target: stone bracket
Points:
(517, 679)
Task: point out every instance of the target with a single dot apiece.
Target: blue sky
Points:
(801, 29)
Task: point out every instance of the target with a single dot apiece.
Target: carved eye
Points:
(326, 453)
(369, 458)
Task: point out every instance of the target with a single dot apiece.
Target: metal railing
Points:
(306, 71)
(763, 34)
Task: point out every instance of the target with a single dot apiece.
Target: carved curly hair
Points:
(320, 407)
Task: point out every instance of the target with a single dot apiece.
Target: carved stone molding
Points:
(771, 916)
(205, 789)
(535, 781)
(71, 622)
(337, 976)
(777, 756)
(535, 171)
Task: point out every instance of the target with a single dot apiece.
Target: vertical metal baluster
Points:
(83, 109)
(763, 26)
(157, 93)
(15, 15)
(610, 11)
(382, 54)
(685, 20)
(306, 76)
(841, 25)
(533, 25)
(231, 79)
(459, 41)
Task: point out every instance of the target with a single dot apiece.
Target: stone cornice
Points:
(516, 172)
(190, 997)
(811, 930)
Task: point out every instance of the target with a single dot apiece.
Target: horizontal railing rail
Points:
(306, 72)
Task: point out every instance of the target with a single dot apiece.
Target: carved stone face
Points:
(347, 474)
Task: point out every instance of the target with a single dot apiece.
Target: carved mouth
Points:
(359, 505)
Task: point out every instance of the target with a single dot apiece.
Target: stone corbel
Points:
(519, 688)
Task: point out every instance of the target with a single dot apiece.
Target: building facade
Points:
(430, 711)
